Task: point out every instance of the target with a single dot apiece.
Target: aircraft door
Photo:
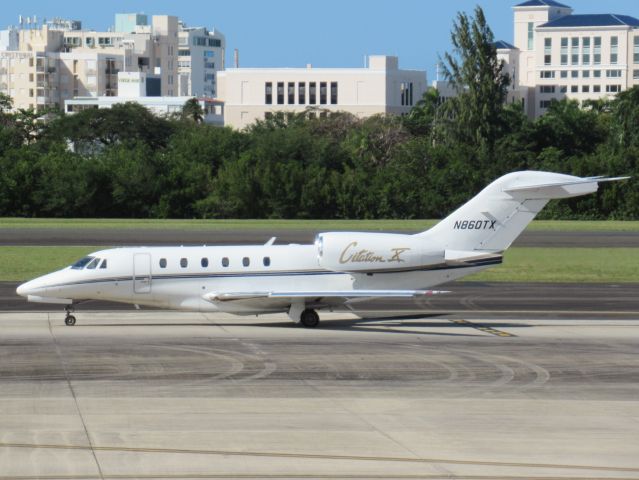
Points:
(142, 273)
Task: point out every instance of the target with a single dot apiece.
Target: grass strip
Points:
(414, 225)
(593, 265)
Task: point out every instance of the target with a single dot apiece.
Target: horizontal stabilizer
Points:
(559, 189)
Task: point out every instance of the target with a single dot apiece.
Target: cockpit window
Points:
(80, 264)
(93, 263)
(103, 264)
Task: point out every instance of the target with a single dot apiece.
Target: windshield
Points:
(80, 264)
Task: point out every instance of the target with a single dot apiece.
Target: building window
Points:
(268, 93)
(564, 74)
(547, 51)
(323, 93)
(531, 35)
(585, 74)
(574, 89)
(301, 93)
(613, 88)
(614, 50)
(596, 73)
(547, 74)
(545, 103)
(585, 52)
(585, 88)
(546, 89)
(613, 73)
(574, 51)
(266, 261)
(563, 89)
(635, 74)
(280, 93)
(246, 261)
(204, 262)
(596, 88)
(564, 50)
(597, 51)
(333, 93)
(636, 49)
(574, 74)
(225, 262)
(312, 93)
(184, 262)
(162, 262)
(291, 93)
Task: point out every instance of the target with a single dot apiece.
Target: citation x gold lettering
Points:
(351, 255)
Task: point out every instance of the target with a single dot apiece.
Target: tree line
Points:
(126, 162)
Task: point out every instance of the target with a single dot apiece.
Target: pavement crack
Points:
(73, 394)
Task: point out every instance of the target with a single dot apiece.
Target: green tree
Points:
(474, 116)
(192, 110)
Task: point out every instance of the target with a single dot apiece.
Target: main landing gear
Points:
(309, 318)
(69, 320)
(300, 314)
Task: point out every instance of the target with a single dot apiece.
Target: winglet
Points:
(270, 242)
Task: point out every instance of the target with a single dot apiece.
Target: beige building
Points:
(558, 54)
(251, 94)
(566, 55)
(42, 66)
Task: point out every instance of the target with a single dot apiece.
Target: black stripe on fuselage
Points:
(292, 273)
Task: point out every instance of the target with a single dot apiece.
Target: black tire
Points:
(70, 320)
(309, 318)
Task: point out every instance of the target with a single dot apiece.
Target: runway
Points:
(142, 236)
(494, 380)
(561, 300)
(171, 395)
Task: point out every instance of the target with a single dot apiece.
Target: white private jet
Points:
(339, 269)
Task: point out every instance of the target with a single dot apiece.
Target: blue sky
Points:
(327, 33)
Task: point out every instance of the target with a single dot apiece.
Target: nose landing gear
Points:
(69, 320)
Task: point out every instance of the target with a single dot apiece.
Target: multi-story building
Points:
(144, 89)
(558, 54)
(200, 58)
(43, 67)
(250, 94)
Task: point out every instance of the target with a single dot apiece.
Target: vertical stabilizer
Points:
(497, 215)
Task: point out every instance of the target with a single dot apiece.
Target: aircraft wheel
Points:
(70, 320)
(309, 318)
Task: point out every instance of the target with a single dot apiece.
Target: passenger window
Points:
(93, 264)
(205, 262)
(184, 262)
(162, 262)
(246, 261)
(267, 261)
(104, 264)
(225, 262)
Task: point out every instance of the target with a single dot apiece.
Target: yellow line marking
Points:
(483, 328)
(316, 456)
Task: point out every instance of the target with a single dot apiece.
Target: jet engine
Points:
(374, 252)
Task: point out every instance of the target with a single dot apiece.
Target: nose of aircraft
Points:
(30, 288)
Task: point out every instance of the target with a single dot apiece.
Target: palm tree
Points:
(192, 110)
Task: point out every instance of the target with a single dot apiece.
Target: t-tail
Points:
(494, 218)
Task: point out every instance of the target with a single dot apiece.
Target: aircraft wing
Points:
(280, 298)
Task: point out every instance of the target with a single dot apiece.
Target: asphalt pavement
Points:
(132, 237)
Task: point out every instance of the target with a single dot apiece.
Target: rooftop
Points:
(542, 3)
(593, 20)
(500, 44)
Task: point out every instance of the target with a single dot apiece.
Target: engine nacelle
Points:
(373, 252)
